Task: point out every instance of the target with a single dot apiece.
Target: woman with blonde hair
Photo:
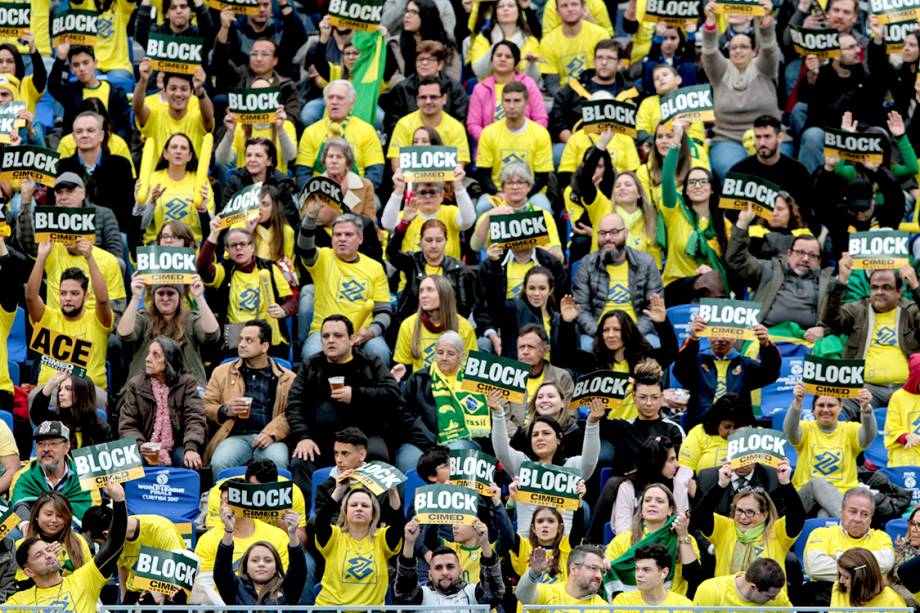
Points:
(357, 534)
(860, 583)
(418, 334)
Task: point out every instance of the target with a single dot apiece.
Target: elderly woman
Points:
(339, 159)
(162, 406)
(743, 86)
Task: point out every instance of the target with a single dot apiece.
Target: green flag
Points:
(622, 573)
(368, 73)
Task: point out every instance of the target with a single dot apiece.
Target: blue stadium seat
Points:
(778, 395)
(16, 344)
(239, 471)
(810, 524)
(13, 368)
(174, 493)
(319, 475)
(413, 481)
(680, 317)
(877, 452)
(608, 534)
(906, 477)
(896, 528)
(880, 415)
(606, 473)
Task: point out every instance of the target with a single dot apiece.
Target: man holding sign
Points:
(431, 100)
(882, 329)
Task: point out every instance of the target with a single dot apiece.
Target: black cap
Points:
(51, 429)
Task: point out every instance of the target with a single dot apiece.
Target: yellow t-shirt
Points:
(622, 151)
(470, 566)
(426, 343)
(248, 291)
(885, 362)
(627, 408)
(618, 296)
(356, 571)
(499, 146)
(834, 540)
(481, 46)
(346, 287)
(653, 190)
(673, 599)
(6, 324)
(831, 457)
(87, 327)
(569, 57)
(362, 136)
(724, 537)
(451, 131)
(117, 146)
(623, 541)
(680, 265)
(596, 8)
(448, 214)
(265, 241)
(888, 598)
(554, 594)
(161, 125)
(60, 260)
(155, 531)
(239, 142)
(67, 565)
(514, 274)
(78, 593)
(520, 561)
(206, 549)
(213, 517)
(112, 34)
(700, 450)
(723, 592)
(903, 418)
(533, 384)
(175, 204)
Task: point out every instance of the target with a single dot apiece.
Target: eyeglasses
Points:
(603, 59)
(806, 254)
(427, 193)
(614, 232)
(239, 245)
(594, 568)
(167, 237)
(515, 183)
(351, 54)
(53, 443)
(749, 513)
(412, 12)
(697, 182)
(424, 59)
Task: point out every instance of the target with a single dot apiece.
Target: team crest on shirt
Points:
(428, 353)
(499, 112)
(828, 463)
(574, 64)
(249, 299)
(104, 27)
(886, 336)
(358, 569)
(618, 294)
(515, 290)
(176, 209)
(510, 156)
(914, 422)
(352, 290)
(62, 601)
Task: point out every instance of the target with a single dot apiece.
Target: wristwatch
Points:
(686, 539)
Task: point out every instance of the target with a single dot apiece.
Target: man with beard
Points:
(586, 566)
(73, 318)
(615, 277)
(54, 471)
(791, 287)
(445, 577)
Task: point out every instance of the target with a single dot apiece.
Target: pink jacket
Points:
(482, 105)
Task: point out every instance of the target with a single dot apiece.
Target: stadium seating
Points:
(319, 475)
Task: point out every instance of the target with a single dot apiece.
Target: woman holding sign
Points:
(356, 548)
(550, 400)
(545, 436)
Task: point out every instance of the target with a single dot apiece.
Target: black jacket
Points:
(70, 95)
(203, 27)
(566, 111)
(401, 100)
(832, 95)
(238, 591)
(418, 413)
(111, 184)
(761, 476)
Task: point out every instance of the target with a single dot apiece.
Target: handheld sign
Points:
(8, 520)
(5, 229)
(856, 147)
(881, 250)
(894, 11)
(829, 377)
(740, 190)
(446, 504)
(729, 318)
(607, 386)
(259, 105)
(378, 477)
(156, 264)
(15, 18)
(693, 103)
(61, 351)
(548, 485)
(63, 225)
(177, 54)
(162, 571)
(239, 7)
(266, 501)
(427, 164)
(327, 190)
(895, 33)
(485, 372)
(741, 7)
(519, 230)
(756, 446)
(362, 15)
(473, 469)
(672, 12)
(600, 115)
(242, 206)
(9, 119)
(36, 163)
(823, 42)
(75, 27)
(114, 462)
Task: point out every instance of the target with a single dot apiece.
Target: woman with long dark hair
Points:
(274, 236)
(549, 400)
(422, 21)
(656, 463)
(31, 87)
(547, 532)
(162, 407)
(261, 166)
(619, 345)
(508, 21)
(51, 520)
(75, 400)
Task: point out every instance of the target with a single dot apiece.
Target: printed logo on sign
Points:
(828, 463)
(574, 64)
(618, 294)
(176, 209)
(886, 336)
(104, 27)
(358, 569)
(249, 299)
(352, 290)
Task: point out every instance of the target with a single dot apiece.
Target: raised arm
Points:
(792, 422)
(107, 558)
(34, 302)
(100, 290)
(138, 102)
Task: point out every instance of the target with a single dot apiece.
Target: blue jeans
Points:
(408, 455)
(376, 346)
(238, 451)
(723, 154)
(811, 149)
(558, 148)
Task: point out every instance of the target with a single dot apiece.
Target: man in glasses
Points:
(881, 328)
(791, 287)
(586, 566)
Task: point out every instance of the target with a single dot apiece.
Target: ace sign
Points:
(114, 462)
(61, 351)
(756, 446)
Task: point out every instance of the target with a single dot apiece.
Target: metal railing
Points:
(470, 608)
(535, 608)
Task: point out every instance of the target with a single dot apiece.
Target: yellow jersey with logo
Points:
(448, 214)
(636, 599)
(903, 418)
(885, 362)
(161, 125)
(78, 593)
(499, 146)
(514, 275)
(206, 549)
(67, 565)
(356, 571)
(362, 136)
(427, 342)
(111, 34)
(623, 541)
(451, 131)
(724, 536)
(248, 298)
(6, 325)
(554, 594)
(470, 567)
(569, 57)
(700, 450)
(346, 287)
(520, 560)
(618, 296)
(176, 204)
(834, 540)
(155, 531)
(831, 457)
(723, 592)
(60, 260)
(680, 265)
(87, 327)
(596, 8)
